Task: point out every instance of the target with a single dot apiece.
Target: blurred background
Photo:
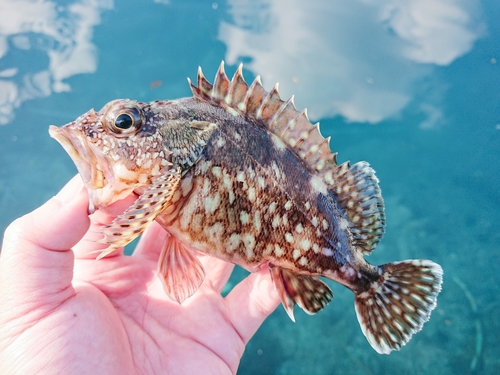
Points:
(411, 86)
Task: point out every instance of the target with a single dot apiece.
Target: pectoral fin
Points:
(179, 270)
(309, 292)
(129, 225)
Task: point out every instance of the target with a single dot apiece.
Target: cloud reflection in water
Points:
(359, 59)
(62, 32)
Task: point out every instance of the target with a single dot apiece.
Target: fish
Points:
(239, 174)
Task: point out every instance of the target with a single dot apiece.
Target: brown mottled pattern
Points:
(253, 202)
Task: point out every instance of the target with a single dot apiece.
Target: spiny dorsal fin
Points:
(278, 116)
(359, 195)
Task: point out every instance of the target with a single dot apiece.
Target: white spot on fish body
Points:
(244, 217)
(206, 187)
(318, 184)
(156, 170)
(220, 142)
(350, 272)
(315, 248)
(240, 177)
(289, 237)
(296, 254)
(233, 242)
(305, 244)
(251, 173)
(268, 250)
(272, 207)
(214, 231)
(256, 221)
(276, 170)
(217, 172)
(251, 194)
(303, 261)
(285, 219)
(147, 164)
(327, 252)
(276, 222)
(261, 181)
(288, 205)
(325, 224)
(212, 203)
(187, 216)
(186, 185)
(205, 165)
(314, 221)
(299, 228)
(278, 143)
(226, 182)
(278, 251)
(249, 243)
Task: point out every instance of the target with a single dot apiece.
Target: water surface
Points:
(412, 87)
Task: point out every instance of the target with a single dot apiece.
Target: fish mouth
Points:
(84, 158)
(93, 166)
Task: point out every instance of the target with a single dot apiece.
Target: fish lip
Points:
(86, 162)
(84, 158)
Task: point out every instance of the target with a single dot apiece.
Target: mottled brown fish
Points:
(239, 174)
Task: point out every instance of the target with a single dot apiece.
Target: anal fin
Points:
(179, 270)
(309, 292)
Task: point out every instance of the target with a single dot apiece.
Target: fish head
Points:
(117, 150)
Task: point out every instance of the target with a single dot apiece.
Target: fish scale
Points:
(240, 174)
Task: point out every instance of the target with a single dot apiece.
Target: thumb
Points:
(36, 262)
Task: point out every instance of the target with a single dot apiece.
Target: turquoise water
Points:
(411, 87)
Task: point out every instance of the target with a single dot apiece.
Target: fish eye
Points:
(123, 120)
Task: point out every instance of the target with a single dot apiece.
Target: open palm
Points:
(63, 312)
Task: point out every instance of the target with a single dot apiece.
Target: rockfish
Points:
(239, 174)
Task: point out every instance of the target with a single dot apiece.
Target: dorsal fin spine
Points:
(221, 84)
(304, 136)
(290, 125)
(274, 120)
(204, 86)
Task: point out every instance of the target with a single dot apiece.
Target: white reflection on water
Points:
(359, 59)
(62, 32)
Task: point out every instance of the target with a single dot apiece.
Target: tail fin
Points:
(399, 303)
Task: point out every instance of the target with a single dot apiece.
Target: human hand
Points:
(63, 312)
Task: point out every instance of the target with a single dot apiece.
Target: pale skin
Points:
(62, 312)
